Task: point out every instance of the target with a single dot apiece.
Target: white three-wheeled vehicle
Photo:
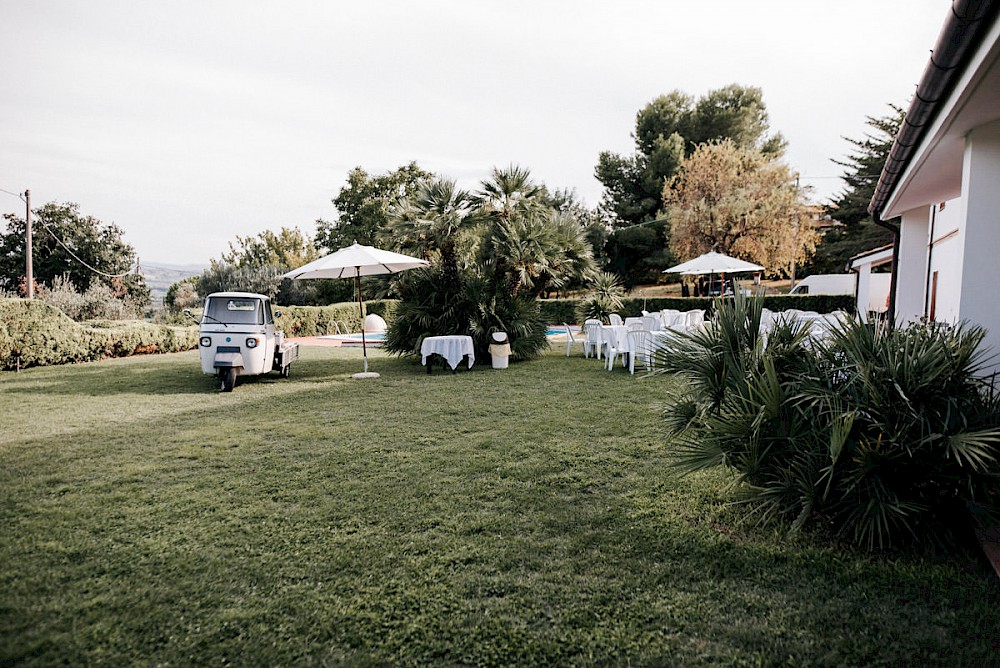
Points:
(237, 338)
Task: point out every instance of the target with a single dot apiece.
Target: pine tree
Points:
(861, 171)
(864, 165)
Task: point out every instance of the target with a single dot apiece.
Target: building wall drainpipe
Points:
(930, 259)
(891, 312)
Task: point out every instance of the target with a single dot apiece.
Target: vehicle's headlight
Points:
(205, 341)
(251, 342)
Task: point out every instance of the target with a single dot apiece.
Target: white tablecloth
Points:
(452, 348)
(660, 337)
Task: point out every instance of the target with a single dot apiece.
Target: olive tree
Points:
(741, 202)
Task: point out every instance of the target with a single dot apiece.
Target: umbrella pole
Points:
(361, 310)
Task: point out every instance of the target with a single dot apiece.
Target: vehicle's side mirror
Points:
(277, 314)
(188, 313)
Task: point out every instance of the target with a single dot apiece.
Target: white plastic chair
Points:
(570, 340)
(694, 318)
(824, 326)
(673, 321)
(593, 341)
(641, 346)
(615, 348)
(651, 322)
(791, 314)
(615, 319)
(631, 319)
(766, 322)
(838, 318)
(667, 315)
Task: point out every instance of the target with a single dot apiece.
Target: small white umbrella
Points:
(711, 263)
(354, 262)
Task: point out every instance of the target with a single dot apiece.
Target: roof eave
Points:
(968, 23)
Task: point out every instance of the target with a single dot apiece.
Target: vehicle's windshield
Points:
(234, 310)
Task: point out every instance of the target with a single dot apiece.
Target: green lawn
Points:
(516, 517)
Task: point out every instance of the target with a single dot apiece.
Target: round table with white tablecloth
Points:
(452, 348)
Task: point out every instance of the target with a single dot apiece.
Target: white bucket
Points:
(500, 350)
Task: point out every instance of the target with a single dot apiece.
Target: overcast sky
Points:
(188, 123)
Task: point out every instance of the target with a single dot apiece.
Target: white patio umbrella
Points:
(712, 263)
(354, 262)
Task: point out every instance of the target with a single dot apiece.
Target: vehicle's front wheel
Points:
(228, 379)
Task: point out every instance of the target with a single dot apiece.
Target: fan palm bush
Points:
(495, 311)
(891, 436)
(606, 297)
(428, 305)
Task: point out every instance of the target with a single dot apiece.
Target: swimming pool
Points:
(371, 339)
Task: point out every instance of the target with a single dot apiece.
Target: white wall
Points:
(911, 276)
(873, 291)
(946, 260)
(863, 303)
(980, 282)
(878, 292)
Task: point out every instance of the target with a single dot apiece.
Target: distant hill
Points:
(159, 277)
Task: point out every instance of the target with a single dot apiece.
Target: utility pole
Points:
(29, 272)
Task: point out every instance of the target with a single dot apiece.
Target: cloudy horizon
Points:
(187, 124)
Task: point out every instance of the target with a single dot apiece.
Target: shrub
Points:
(606, 298)
(558, 311)
(183, 294)
(818, 303)
(34, 333)
(321, 320)
(519, 317)
(97, 301)
(264, 280)
(122, 339)
(889, 435)
(428, 306)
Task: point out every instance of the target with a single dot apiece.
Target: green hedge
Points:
(33, 333)
(558, 311)
(818, 303)
(320, 320)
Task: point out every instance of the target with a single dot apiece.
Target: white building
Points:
(943, 179)
(872, 292)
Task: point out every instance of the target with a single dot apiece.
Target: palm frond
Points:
(977, 450)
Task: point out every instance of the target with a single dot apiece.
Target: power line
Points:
(69, 250)
(77, 258)
(20, 196)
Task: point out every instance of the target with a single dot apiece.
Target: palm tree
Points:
(539, 250)
(573, 259)
(510, 192)
(430, 221)
(530, 246)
